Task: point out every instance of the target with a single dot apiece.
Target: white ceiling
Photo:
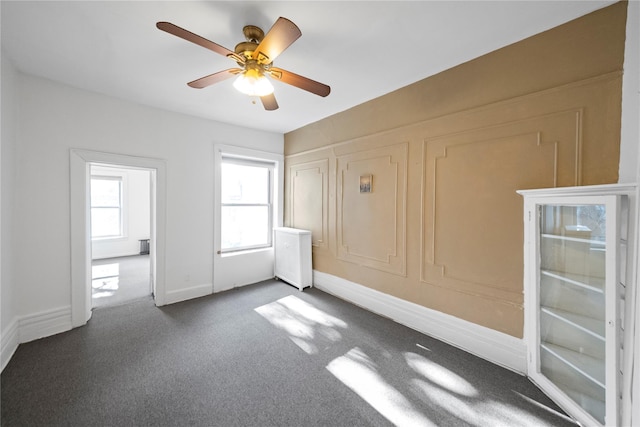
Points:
(362, 49)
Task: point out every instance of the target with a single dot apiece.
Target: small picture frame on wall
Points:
(365, 183)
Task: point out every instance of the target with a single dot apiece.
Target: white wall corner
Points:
(191, 292)
(9, 343)
(32, 327)
(491, 345)
(44, 324)
(630, 172)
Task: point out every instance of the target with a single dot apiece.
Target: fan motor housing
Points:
(253, 33)
(253, 36)
(246, 49)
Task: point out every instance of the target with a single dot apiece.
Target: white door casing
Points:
(80, 179)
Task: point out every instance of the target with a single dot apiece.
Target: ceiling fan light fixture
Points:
(253, 83)
(255, 58)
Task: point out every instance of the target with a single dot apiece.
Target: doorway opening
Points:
(120, 206)
(81, 162)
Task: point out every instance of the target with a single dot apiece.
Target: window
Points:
(106, 207)
(246, 204)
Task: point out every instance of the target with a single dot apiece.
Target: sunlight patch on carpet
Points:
(440, 375)
(308, 327)
(106, 287)
(358, 372)
(105, 270)
(443, 401)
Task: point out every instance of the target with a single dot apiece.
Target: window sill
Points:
(244, 252)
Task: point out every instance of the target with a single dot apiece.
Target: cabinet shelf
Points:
(591, 326)
(574, 239)
(594, 284)
(589, 367)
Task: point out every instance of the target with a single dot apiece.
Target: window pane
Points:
(594, 218)
(245, 226)
(105, 192)
(244, 184)
(105, 222)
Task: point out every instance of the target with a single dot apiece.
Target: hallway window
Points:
(106, 207)
(246, 204)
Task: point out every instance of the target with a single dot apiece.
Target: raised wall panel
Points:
(309, 199)
(472, 235)
(371, 227)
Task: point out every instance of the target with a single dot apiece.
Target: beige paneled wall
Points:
(442, 225)
(370, 226)
(309, 197)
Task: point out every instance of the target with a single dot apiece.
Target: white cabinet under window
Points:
(576, 246)
(292, 264)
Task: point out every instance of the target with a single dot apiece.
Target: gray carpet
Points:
(261, 355)
(119, 280)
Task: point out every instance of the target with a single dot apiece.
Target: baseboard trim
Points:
(491, 345)
(184, 294)
(248, 283)
(9, 343)
(44, 324)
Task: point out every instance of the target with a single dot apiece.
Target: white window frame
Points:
(270, 166)
(277, 200)
(122, 181)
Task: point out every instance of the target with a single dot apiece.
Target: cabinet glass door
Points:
(572, 302)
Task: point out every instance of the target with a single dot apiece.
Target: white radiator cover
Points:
(292, 264)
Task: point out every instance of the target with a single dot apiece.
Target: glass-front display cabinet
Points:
(575, 275)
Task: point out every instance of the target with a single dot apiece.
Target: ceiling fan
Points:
(255, 58)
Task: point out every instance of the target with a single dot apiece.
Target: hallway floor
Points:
(118, 280)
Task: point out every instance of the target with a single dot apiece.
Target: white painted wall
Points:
(136, 211)
(7, 156)
(55, 118)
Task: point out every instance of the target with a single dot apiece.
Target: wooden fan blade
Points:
(280, 36)
(214, 78)
(269, 102)
(200, 41)
(298, 81)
